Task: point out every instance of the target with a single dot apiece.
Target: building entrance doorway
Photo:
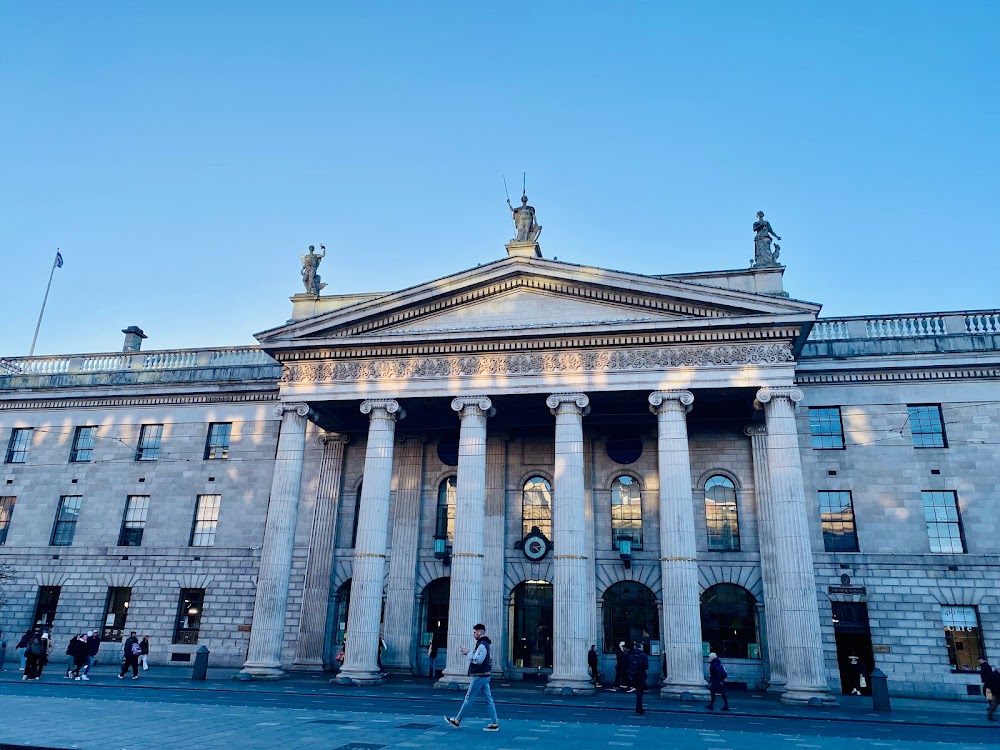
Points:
(531, 625)
(854, 639)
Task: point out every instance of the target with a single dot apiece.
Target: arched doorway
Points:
(729, 621)
(531, 625)
(336, 626)
(434, 624)
(630, 615)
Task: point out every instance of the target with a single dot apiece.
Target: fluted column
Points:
(465, 602)
(678, 550)
(776, 652)
(572, 598)
(361, 652)
(788, 525)
(494, 540)
(316, 591)
(269, 607)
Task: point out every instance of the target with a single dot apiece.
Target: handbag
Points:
(864, 682)
(989, 694)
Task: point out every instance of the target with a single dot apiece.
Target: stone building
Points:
(571, 455)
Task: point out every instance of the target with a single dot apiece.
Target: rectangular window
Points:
(66, 518)
(944, 525)
(17, 448)
(206, 518)
(963, 637)
(115, 613)
(134, 522)
(218, 440)
(826, 428)
(6, 511)
(626, 513)
(721, 514)
(149, 442)
(189, 613)
(45, 606)
(836, 511)
(83, 445)
(927, 426)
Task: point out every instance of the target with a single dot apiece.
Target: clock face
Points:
(535, 547)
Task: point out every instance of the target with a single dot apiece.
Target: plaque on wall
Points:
(850, 590)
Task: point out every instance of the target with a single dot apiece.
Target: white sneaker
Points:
(83, 677)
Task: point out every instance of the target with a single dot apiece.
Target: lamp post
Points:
(442, 550)
(625, 550)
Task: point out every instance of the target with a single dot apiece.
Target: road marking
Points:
(621, 744)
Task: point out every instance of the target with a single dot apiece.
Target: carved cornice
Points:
(883, 376)
(610, 360)
(573, 403)
(82, 403)
(664, 400)
(473, 406)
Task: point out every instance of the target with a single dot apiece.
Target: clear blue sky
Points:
(183, 154)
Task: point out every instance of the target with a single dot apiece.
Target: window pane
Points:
(944, 525)
(6, 511)
(149, 442)
(536, 507)
(66, 518)
(205, 521)
(116, 613)
(836, 512)
(963, 637)
(626, 512)
(447, 497)
(17, 449)
(630, 615)
(826, 428)
(134, 522)
(721, 514)
(926, 426)
(190, 610)
(218, 440)
(83, 444)
(729, 621)
(45, 606)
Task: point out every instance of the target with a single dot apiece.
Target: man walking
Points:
(592, 663)
(93, 646)
(991, 687)
(717, 675)
(480, 666)
(132, 651)
(621, 659)
(638, 669)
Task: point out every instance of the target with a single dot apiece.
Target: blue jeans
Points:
(477, 686)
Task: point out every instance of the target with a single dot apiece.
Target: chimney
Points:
(133, 339)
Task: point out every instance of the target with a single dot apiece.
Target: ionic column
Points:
(361, 652)
(268, 628)
(316, 591)
(776, 652)
(494, 536)
(794, 579)
(678, 550)
(572, 598)
(465, 602)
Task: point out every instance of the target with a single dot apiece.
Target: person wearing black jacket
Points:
(131, 652)
(717, 675)
(638, 669)
(79, 653)
(621, 667)
(991, 682)
(592, 663)
(22, 646)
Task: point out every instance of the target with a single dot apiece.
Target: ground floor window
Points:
(45, 607)
(963, 637)
(531, 625)
(729, 622)
(116, 613)
(435, 619)
(631, 615)
(189, 613)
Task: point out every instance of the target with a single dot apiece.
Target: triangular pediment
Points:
(516, 295)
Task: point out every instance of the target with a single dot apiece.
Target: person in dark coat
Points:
(621, 667)
(717, 675)
(93, 646)
(638, 669)
(991, 683)
(852, 675)
(131, 653)
(22, 646)
(35, 654)
(80, 654)
(592, 664)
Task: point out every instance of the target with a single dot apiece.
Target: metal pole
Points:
(44, 300)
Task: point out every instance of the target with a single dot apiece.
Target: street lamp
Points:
(625, 550)
(442, 550)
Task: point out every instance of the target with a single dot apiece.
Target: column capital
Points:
(766, 394)
(473, 405)
(333, 437)
(387, 408)
(664, 400)
(300, 408)
(578, 403)
(755, 429)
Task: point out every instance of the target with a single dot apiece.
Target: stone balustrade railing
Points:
(975, 322)
(180, 359)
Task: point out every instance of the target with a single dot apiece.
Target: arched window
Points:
(729, 621)
(357, 515)
(446, 509)
(626, 512)
(630, 615)
(436, 596)
(536, 506)
(720, 514)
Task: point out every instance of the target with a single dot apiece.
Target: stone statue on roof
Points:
(525, 226)
(310, 269)
(763, 256)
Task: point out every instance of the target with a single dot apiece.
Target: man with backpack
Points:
(638, 668)
(132, 651)
(621, 666)
(36, 654)
(717, 675)
(480, 666)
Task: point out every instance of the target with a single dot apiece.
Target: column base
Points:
(684, 691)
(260, 672)
(453, 682)
(308, 665)
(776, 687)
(358, 679)
(570, 686)
(808, 697)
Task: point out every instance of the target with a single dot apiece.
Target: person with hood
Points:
(717, 675)
(480, 666)
(79, 653)
(638, 669)
(131, 653)
(621, 666)
(22, 646)
(592, 664)
(991, 687)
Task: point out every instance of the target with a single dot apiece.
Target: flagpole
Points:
(45, 299)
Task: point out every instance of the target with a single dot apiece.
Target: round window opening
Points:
(448, 451)
(624, 449)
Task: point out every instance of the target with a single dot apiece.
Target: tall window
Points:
(149, 442)
(720, 514)
(927, 426)
(66, 517)
(436, 597)
(836, 511)
(447, 494)
(217, 446)
(83, 445)
(189, 613)
(357, 515)
(729, 621)
(6, 511)
(944, 525)
(826, 428)
(963, 637)
(46, 605)
(115, 613)
(536, 506)
(206, 519)
(17, 448)
(630, 615)
(134, 522)
(626, 512)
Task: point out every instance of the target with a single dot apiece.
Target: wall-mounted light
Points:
(442, 550)
(625, 550)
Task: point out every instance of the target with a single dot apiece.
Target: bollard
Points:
(880, 690)
(200, 671)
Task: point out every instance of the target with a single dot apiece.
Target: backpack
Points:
(35, 646)
(636, 665)
(136, 649)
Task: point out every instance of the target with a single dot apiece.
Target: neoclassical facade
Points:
(570, 455)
